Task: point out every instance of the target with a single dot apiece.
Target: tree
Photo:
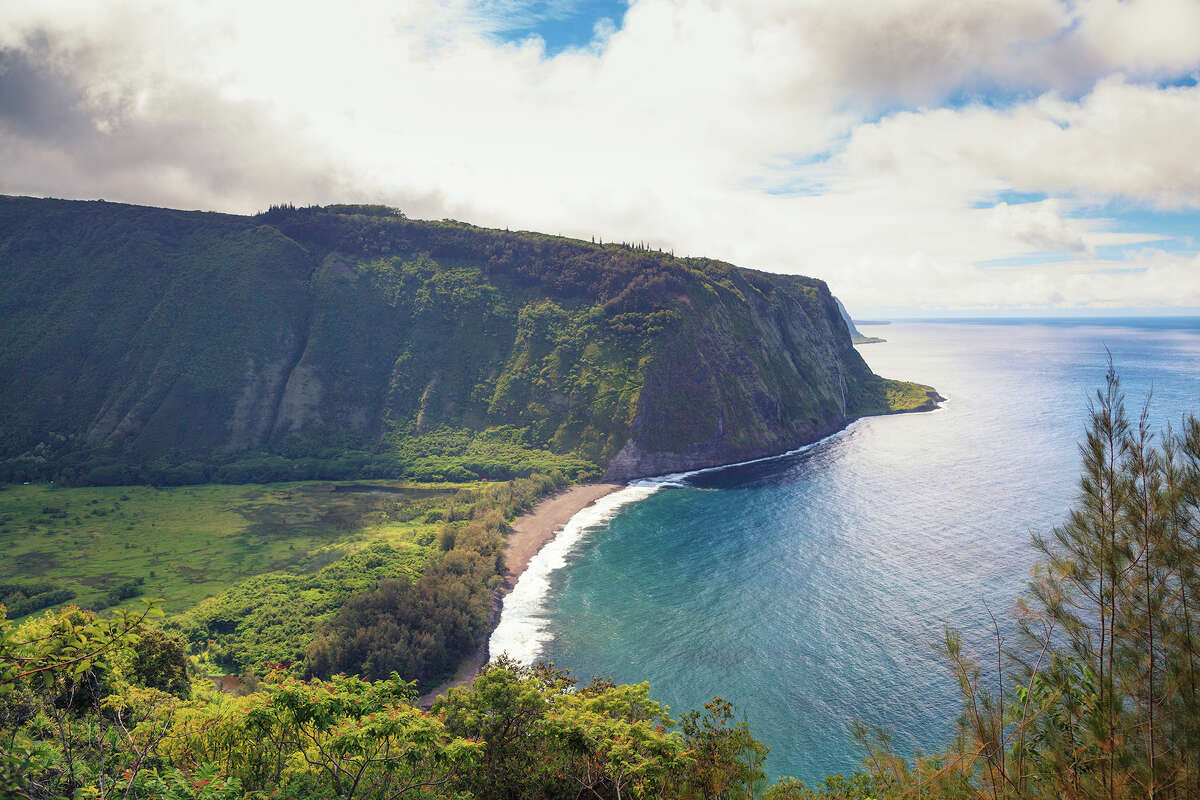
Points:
(1100, 697)
(729, 761)
(345, 738)
(160, 662)
(505, 709)
(57, 667)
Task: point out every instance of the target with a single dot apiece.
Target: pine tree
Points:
(1100, 697)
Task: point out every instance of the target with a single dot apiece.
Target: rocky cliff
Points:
(349, 341)
(762, 364)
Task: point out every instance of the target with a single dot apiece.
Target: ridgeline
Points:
(146, 345)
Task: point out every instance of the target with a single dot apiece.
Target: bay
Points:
(808, 590)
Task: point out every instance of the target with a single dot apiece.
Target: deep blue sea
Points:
(808, 589)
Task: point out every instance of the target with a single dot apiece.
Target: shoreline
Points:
(535, 529)
(529, 533)
(539, 526)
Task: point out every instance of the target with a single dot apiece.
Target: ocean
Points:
(809, 589)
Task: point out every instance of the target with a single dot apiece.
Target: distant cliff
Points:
(348, 341)
(856, 336)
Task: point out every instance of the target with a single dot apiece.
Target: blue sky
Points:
(560, 25)
(923, 157)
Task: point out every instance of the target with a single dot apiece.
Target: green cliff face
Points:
(350, 338)
(759, 364)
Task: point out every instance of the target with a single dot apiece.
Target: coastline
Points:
(533, 530)
(672, 478)
(528, 535)
(538, 527)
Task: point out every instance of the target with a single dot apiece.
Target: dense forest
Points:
(145, 345)
(1099, 698)
(369, 581)
(365, 613)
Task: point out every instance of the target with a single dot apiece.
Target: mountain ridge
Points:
(142, 343)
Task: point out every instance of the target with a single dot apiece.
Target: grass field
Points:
(189, 543)
(246, 573)
(908, 396)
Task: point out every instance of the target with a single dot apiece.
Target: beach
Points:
(529, 534)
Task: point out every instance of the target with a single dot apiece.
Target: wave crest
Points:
(523, 629)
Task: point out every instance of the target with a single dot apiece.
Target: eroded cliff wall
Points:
(152, 336)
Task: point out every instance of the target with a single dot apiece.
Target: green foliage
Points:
(191, 543)
(859, 786)
(55, 673)
(169, 348)
(120, 593)
(426, 628)
(269, 619)
(420, 629)
(25, 598)
(71, 644)
(543, 739)
(516, 732)
(500, 453)
(160, 662)
(344, 738)
(174, 783)
(729, 761)
(504, 709)
(617, 743)
(888, 396)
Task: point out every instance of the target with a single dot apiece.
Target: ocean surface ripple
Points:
(809, 589)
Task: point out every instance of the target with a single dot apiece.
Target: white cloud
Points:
(1149, 279)
(1042, 226)
(1143, 38)
(667, 130)
(1121, 140)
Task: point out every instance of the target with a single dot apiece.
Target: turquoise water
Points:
(807, 590)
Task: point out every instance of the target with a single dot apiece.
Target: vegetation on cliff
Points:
(142, 345)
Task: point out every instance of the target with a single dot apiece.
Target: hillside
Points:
(145, 344)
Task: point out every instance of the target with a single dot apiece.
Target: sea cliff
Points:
(144, 344)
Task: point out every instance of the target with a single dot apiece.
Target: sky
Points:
(924, 157)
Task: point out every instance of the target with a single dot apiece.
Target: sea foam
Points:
(524, 625)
